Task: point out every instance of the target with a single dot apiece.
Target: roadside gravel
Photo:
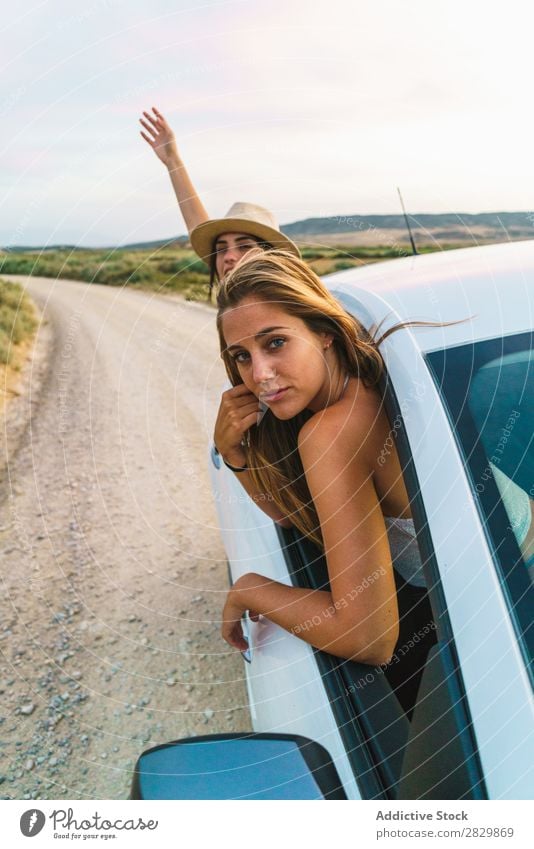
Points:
(112, 567)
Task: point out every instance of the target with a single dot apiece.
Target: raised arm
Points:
(161, 139)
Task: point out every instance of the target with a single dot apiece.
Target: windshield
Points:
(488, 389)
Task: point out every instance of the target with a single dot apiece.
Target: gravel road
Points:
(112, 567)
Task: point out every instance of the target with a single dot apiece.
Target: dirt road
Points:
(112, 568)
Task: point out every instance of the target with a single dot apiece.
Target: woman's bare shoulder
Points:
(351, 422)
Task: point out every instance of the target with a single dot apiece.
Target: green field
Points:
(170, 268)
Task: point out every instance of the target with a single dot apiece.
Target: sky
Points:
(308, 108)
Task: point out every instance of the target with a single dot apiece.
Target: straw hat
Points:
(240, 218)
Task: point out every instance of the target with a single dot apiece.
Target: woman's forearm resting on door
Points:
(317, 618)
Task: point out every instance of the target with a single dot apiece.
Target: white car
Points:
(452, 716)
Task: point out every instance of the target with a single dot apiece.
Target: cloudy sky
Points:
(309, 108)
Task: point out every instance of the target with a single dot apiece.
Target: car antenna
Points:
(414, 249)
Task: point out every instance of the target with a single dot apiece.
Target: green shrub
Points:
(16, 265)
(343, 264)
(311, 254)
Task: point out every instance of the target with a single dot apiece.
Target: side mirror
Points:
(237, 766)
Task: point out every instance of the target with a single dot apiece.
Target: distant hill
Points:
(458, 220)
(446, 228)
(32, 248)
(174, 241)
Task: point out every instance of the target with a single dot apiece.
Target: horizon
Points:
(529, 215)
(309, 111)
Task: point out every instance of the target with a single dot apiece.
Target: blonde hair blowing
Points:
(272, 447)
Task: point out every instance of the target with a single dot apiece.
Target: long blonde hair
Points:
(272, 448)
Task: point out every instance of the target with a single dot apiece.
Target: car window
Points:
(505, 423)
(488, 390)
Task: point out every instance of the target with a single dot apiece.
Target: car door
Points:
(452, 738)
(354, 710)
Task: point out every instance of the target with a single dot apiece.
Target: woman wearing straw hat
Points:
(220, 242)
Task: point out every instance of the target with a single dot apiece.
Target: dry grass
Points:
(17, 329)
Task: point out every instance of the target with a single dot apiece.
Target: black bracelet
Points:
(234, 468)
(228, 465)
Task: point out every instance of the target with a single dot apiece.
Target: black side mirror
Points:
(237, 766)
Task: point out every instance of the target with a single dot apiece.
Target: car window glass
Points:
(488, 392)
(496, 399)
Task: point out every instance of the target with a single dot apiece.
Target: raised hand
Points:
(160, 137)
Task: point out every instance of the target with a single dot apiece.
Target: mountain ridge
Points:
(456, 226)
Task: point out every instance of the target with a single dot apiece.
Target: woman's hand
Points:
(160, 137)
(238, 411)
(232, 628)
